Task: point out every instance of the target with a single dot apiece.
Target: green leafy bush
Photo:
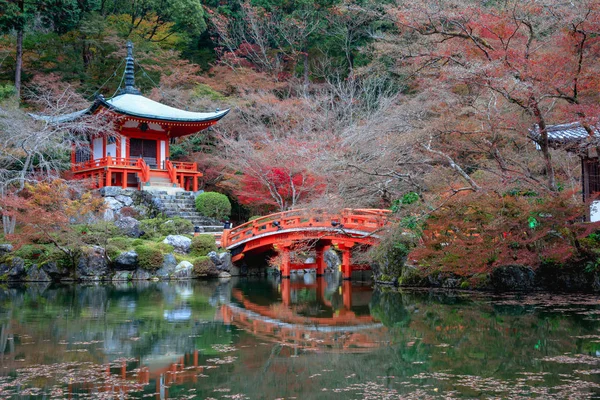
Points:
(202, 245)
(98, 233)
(176, 226)
(213, 204)
(121, 242)
(202, 266)
(156, 227)
(149, 258)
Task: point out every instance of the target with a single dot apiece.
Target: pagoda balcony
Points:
(137, 173)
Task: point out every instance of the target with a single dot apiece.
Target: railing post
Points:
(320, 259)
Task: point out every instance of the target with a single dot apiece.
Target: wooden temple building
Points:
(583, 141)
(135, 153)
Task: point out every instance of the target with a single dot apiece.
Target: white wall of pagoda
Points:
(98, 148)
(163, 153)
(123, 140)
(111, 149)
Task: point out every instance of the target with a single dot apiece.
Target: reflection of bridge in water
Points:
(344, 329)
(346, 230)
(337, 319)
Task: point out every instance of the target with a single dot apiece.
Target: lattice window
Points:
(82, 154)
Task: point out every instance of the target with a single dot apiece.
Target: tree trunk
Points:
(306, 72)
(19, 64)
(9, 224)
(544, 144)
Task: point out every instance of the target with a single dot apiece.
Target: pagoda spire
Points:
(129, 72)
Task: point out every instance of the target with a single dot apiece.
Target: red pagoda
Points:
(136, 154)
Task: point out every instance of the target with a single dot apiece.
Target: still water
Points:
(305, 339)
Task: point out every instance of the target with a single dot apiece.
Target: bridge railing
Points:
(364, 220)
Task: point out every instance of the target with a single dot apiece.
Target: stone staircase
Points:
(182, 204)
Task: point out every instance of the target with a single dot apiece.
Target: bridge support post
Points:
(286, 292)
(346, 259)
(320, 259)
(285, 261)
(347, 294)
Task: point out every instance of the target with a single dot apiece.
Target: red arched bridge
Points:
(287, 230)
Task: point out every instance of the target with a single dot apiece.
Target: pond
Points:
(308, 338)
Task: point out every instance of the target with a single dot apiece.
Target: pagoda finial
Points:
(129, 71)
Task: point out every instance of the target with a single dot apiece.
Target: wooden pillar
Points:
(346, 259)
(124, 183)
(346, 266)
(320, 259)
(73, 156)
(286, 292)
(195, 180)
(108, 177)
(285, 261)
(347, 294)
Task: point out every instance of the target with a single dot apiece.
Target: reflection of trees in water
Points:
(125, 320)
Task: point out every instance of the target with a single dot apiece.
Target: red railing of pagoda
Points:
(171, 171)
(363, 220)
(185, 166)
(145, 170)
(105, 162)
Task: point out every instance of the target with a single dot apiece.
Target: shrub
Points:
(149, 258)
(98, 233)
(202, 245)
(121, 242)
(129, 212)
(213, 204)
(176, 226)
(156, 227)
(202, 266)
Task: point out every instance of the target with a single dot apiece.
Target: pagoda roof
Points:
(136, 105)
(142, 107)
(130, 102)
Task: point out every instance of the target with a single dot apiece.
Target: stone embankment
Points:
(566, 278)
(95, 265)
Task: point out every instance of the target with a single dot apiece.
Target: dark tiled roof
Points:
(567, 136)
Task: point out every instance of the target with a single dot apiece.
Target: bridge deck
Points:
(283, 231)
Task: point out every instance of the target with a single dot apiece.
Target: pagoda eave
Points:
(171, 127)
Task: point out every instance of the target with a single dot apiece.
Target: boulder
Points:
(226, 264)
(129, 226)
(5, 248)
(37, 274)
(214, 257)
(55, 272)
(451, 283)
(126, 200)
(512, 277)
(180, 243)
(224, 275)
(110, 191)
(183, 270)
(222, 261)
(93, 264)
(127, 261)
(331, 259)
(113, 203)
(14, 270)
(168, 267)
(121, 276)
(109, 215)
(141, 274)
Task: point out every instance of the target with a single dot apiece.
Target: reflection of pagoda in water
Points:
(341, 329)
